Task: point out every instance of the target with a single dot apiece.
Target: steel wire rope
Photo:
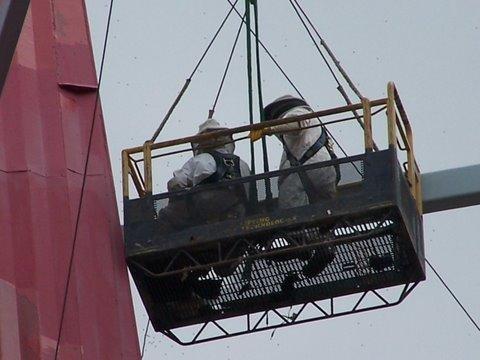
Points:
(232, 51)
(189, 79)
(270, 55)
(334, 59)
(330, 53)
(315, 44)
(145, 338)
(340, 88)
(250, 87)
(84, 180)
(268, 185)
(292, 84)
(339, 85)
(453, 295)
(211, 112)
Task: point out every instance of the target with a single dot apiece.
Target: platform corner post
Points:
(391, 116)
(367, 121)
(147, 158)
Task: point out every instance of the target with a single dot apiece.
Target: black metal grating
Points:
(367, 254)
(184, 274)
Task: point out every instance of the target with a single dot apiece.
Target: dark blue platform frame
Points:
(375, 215)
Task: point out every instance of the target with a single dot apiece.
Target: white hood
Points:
(210, 125)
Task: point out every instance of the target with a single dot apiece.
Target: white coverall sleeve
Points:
(194, 171)
(203, 166)
(245, 171)
(286, 127)
(290, 127)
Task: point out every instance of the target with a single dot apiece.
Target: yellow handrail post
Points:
(391, 116)
(411, 174)
(367, 122)
(147, 166)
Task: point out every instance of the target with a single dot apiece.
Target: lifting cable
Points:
(248, 3)
(269, 54)
(249, 80)
(339, 85)
(291, 82)
(340, 88)
(268, 186)
(212, 110)
(453, 295)
(189, 79)
(84, 181)
(331, 54)
(145, 339)
(315, 43)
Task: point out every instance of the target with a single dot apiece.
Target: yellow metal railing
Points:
(399, 130)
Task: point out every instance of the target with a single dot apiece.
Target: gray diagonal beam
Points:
(451, 189)
(12, 15)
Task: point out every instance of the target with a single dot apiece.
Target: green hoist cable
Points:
(248, 3)
(249, 78)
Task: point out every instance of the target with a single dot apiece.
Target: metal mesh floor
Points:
(276, 270)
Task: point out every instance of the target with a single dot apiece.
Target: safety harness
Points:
(228, 168)
(307, 183)
(276, 110)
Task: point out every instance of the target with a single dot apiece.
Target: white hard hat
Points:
(281, 105)
(209, 125)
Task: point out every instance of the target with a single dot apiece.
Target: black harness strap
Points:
(336, 166)
(321, 142)
(304, 178)
(228, 167)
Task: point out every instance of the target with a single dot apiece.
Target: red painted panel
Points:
(46, 111)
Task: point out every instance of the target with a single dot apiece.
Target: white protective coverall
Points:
(299, 138)
(209, 205)
(291, 192)
(200, 167)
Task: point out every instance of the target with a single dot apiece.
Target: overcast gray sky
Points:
(431, 49)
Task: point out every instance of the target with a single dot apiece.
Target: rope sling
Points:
(246, 19)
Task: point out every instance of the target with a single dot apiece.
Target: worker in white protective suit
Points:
(304, 142)
(213, 162)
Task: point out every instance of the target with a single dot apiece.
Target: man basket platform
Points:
(274, 266)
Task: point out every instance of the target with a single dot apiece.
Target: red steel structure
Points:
(46, 112)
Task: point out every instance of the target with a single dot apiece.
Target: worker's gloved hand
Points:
(258, 134)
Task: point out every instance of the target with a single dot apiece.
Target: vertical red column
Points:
(46, 111)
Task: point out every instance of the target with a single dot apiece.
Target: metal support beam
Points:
(12, 16)
(451, 189)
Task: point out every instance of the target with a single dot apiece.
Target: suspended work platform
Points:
(266, 260)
